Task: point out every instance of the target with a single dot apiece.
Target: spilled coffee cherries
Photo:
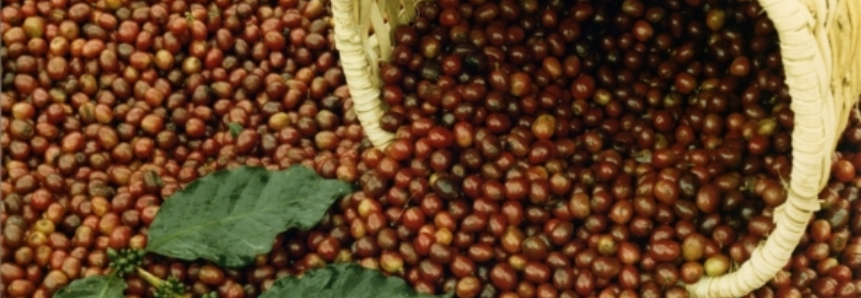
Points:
(543, 148)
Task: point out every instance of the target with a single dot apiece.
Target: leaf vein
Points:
(204, 225)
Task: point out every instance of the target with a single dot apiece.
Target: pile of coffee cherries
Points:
(607, 148)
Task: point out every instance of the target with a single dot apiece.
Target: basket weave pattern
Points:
(820, 42)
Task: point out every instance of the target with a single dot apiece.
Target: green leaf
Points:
(230, 216)
(94, 287)
(342, 281)
(234, 129)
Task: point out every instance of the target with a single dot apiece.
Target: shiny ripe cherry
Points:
(503, 276)
(440, 137)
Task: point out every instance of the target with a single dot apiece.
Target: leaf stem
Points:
(157, 282)
(148, 277)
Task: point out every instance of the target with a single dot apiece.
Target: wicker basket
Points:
(820, 42)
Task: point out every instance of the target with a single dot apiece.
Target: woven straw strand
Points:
(365, 94)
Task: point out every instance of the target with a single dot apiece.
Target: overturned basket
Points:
(820, 42)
